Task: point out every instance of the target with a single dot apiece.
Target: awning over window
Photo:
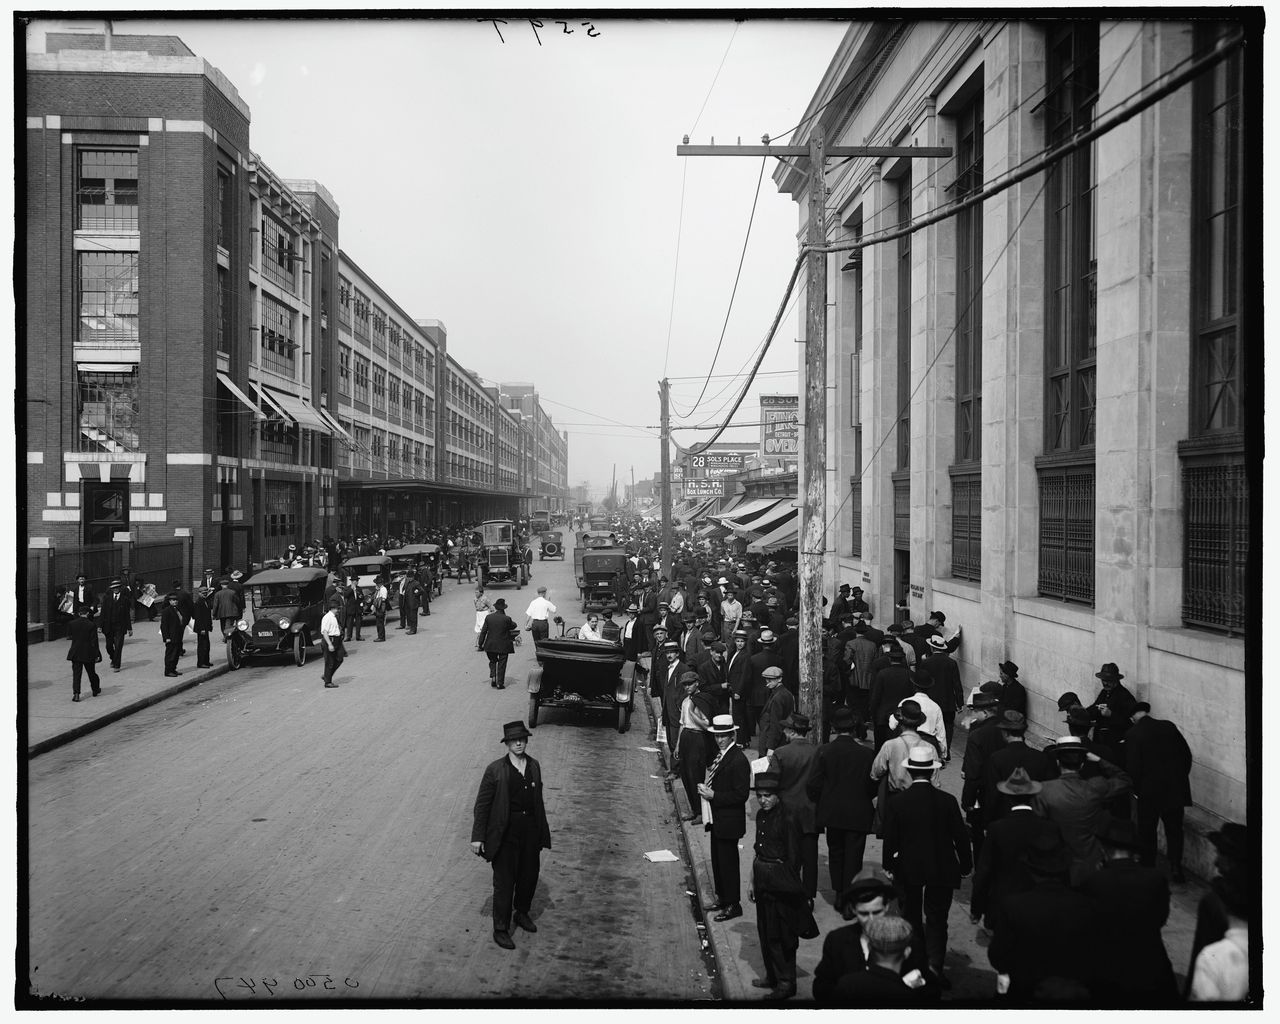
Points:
(338, 430)
(297, 409)
(227, 383)
(784, 511)
(746, 514)
(785, 535)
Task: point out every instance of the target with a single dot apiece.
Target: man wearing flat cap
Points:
(1112, 709)
(777, 708)
(509, 829)
(776, 889)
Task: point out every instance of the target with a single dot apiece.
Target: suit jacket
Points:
(1159, 762)
(497, 633)
(171, 624)
(878, 986)
(1111, 729)
(984, 740)
(758, 689)
(925, 838)
(1001, 872)
(890, 687)
(711, 672)
(226, 605)
(840, 785)
(1134, 904)
(1013, 696)
(84, 641)
(777, 707)
(947, 690)
(1078, 805)
(795, 765)
(1049, 931)
(201, 616)
(738, 672)
(731, 788)
(185, 604)
(1000, 765)
(843, 958)
(492, 810)
(89, 599)
(113, 615)
(864, 653)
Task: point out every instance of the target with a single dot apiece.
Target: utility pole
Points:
(814, 509)
(665, 392)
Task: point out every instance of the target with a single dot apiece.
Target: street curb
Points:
(732, 988)
(44, 746)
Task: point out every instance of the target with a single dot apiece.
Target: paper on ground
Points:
(651, 750)
(660, 856)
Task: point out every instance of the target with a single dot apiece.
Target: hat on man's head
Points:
(664, 604)
(719, 647)
(1012, 721)
(1120, 833)
(797, 722)
(844, 586)
(721, 582)
(767, 637)
(1068, 700)
(767, 782)
(658, 627)
(772, 672)
(1047, 856)
(500, 603)
(236, 574)
(938, 617)
(205, 591)
(857, 590)
(896, 653)
(910, 714)
(688, 677)
(1110, 671)
(542, 589)
(670, 647)
(867, 885)
(983, 700)
(515, 731)
(1066, 745)
(721, 725)
(894, 627)
(1019, 783)
(844, 720)
(114, 583)
(633, 607)
(936, 643)
(908, 626)
(921, 758)
(741, 633)
(1008, 668)
(888, 934)
(793, 620)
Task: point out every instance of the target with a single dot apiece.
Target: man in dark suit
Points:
(1015, 753)
(82, 596)
(844, 951)
(738, 678)
(186, 605)
(890, 686)
(711, 673)
(947, 690)
(114, 618)
(787, 651)
(984, 740)
(509, 829)
(727, 789)
(926, 850)
(497, 640)
(1133, 902)
(1012, 694)
(885, 981)
(202, 625)
(83, 654)
(781, 910)
(1112, 709)
(1158, 760)
(794, 761)
(777, 709)
(841, 789)
(171, 627)
(1000, 872)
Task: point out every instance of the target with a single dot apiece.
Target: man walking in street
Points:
(497, 642)
(926, 850)
(83, 654)
(509, 829)
(841, 788)
(726, 791)
(538, 616)
(115, 621)
(331, 638)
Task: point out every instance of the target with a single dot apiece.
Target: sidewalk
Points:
(736, 946)
(54, 719)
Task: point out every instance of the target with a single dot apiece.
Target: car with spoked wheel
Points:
(551, 545)
(288, 605)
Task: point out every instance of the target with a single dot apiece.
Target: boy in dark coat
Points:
(509, 829)
(776, 889)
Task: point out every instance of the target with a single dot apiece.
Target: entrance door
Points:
(901, 585)
(105, 510)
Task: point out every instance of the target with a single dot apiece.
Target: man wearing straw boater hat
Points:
(724, 813)
(509, 829)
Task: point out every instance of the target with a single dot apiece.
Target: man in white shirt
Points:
(677, 598)
(331, 638)
(933, 723)
(731, 610)
(538, 616)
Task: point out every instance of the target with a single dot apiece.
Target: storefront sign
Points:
(703, 488)
(779, 427)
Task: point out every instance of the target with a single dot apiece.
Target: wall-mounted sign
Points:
(703, 488)
(779, 427)
(717, 463)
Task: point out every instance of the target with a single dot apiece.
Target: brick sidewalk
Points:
(736, 946)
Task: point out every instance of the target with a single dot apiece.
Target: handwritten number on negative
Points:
(495, 22)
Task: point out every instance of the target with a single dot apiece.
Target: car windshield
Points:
(364, 568)
(403, 561)
(275, 595)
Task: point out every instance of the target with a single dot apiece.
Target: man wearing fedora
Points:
(171, 627)
(1112, 709)
(984, 740)
(932, 725)
(1012, 694)
(841, 789)
(497, 640)
(114, 619)
(1016, 753)
(794, 763)
(630, 635)
(1079, 805)
(1000, 873)
(776, 889)
(926, 851)
(890, 759)
(777, 708)
(726, 791)
(947, 691)
(890, 686)
(1158, 760)
(509, 829)
(1133, 904)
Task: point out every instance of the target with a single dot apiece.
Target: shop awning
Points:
(785, 535)
(297, 409)
(339, 431)
(732, 503)
(768, 522)
(229, 384)
(746, 514)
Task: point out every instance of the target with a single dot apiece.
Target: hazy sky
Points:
(529, 196)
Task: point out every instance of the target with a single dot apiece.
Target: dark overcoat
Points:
(492, 810)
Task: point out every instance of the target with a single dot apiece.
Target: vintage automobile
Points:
(602, 579)
(411, 555)
(588, 540)
(539, 521)
(503, 558)
(551, 545)
(365, 569)
(288, 605)
(599, 522)
(582, 675)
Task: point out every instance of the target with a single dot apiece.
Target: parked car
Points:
(582, 675)
(288, 605)
(365, 570)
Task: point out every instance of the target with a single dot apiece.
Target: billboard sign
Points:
(717, 464)
(703, 488)
(779, 427)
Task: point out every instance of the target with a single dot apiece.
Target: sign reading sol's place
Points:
(779, 427)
